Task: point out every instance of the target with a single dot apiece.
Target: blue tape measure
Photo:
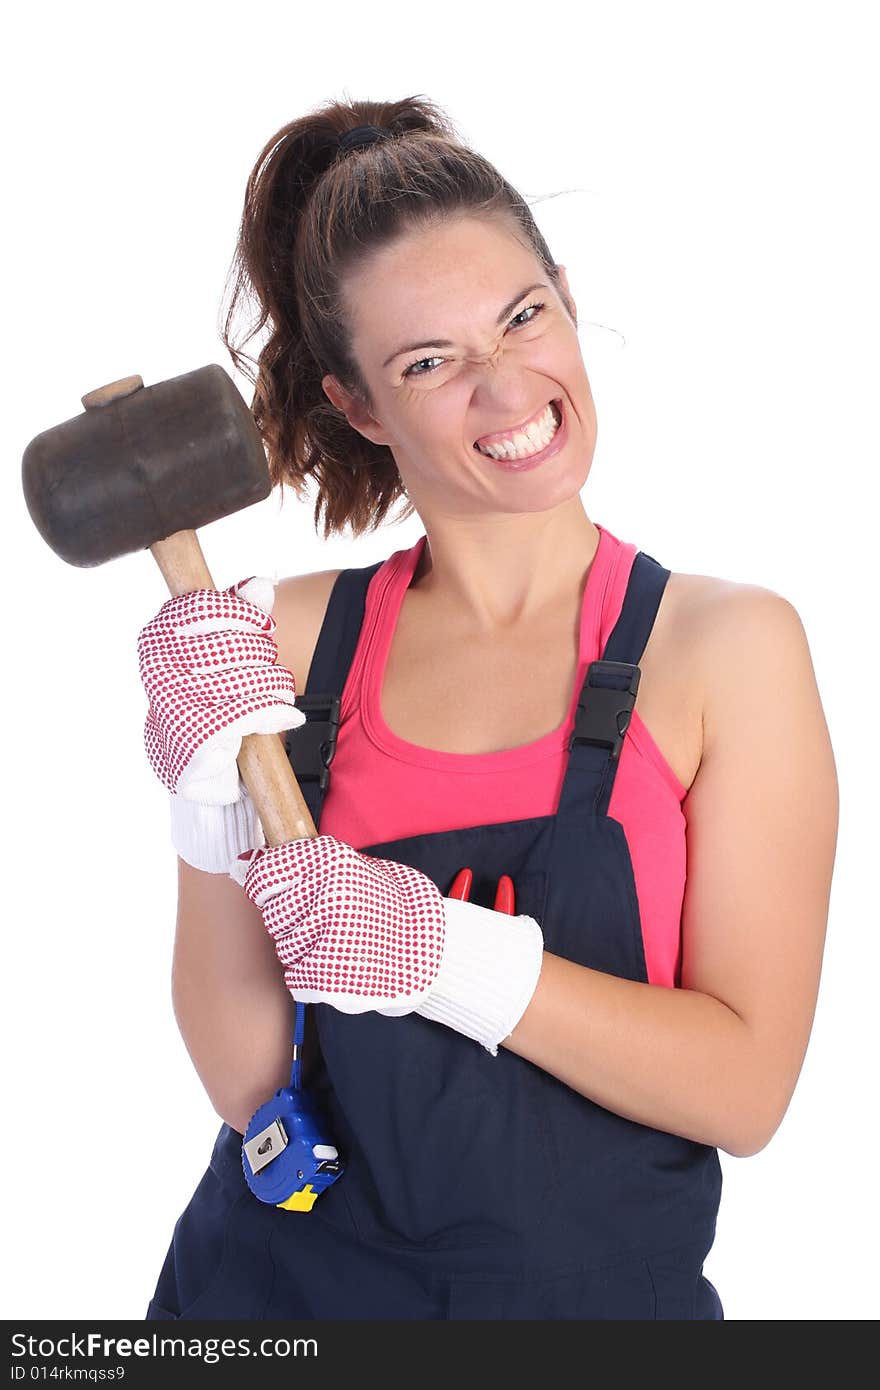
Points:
(286, 1156)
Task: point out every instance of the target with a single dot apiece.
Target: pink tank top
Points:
(385, 788)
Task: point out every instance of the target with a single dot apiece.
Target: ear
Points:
(354, 410)
(566, 293)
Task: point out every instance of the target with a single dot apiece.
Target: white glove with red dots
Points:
(364, 933)
(208, 661)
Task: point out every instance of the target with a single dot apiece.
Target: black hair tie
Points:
(362, 135)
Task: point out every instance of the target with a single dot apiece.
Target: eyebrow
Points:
(447, 342)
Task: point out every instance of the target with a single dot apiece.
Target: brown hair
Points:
(310, 213)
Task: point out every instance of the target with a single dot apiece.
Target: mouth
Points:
(528, 441)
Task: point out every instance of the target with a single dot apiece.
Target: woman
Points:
(527, 1092)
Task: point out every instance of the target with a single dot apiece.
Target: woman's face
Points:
(460, 335)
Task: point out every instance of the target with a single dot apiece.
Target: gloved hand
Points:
(364, 933)
(208, 661)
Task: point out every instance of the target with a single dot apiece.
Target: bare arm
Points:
(717, 1060)
(232, 1006)
(230, 1001)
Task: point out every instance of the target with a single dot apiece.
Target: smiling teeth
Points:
(531, 440)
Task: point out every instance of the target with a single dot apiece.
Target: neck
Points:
(496, 572)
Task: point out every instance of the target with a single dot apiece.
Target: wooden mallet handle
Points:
(262, 761)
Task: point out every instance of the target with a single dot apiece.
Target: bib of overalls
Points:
(474, 1186)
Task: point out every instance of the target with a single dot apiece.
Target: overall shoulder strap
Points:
(647, 582)
(310, 748)
(608, 694)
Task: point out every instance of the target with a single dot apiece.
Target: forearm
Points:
(674, 1059)
(233, 1010)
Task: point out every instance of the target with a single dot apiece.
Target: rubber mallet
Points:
(140, 469)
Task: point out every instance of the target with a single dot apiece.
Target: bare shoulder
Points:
(300, 605)
(702, 601)
(703, 648)
(737, 635)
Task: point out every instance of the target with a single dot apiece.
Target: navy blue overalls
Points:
(473, 1186)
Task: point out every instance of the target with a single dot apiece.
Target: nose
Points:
(499, 387)
(503, 391)
(491, 359)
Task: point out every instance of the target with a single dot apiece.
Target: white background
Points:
(707, 173)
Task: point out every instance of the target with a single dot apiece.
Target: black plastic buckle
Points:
(604, 710)
(311, 746)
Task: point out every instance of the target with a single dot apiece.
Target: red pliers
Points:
(461, 887)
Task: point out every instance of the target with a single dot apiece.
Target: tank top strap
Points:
(311, 746)
(608, 694)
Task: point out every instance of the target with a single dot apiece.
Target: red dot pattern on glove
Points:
(206, 659)
(347, 923)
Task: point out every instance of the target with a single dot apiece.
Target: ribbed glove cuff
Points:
(488, 974)
(211, 837)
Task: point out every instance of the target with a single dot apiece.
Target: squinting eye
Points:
(526, 310)
(409, 371)
(529, 307)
